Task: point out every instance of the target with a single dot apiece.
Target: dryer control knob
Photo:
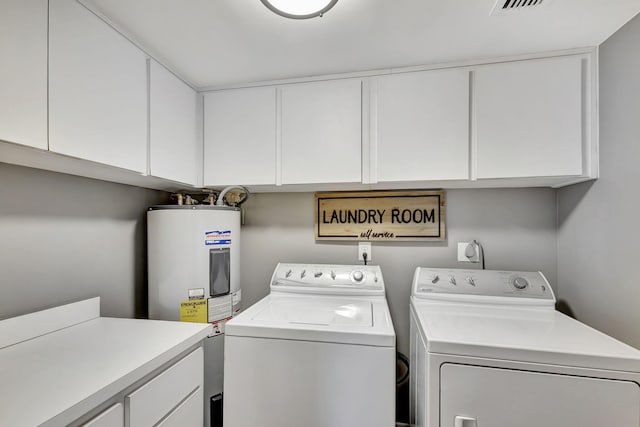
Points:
(520, 283)
(357, 275)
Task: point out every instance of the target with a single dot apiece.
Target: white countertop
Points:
(57, 377)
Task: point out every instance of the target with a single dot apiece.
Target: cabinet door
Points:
(97, 90)
(529, 118)
(240, 137)
(188, 413)
(23, 73)
(321, 132)
(157, 398)
(174, 145)
(112, 417)
(421, 126)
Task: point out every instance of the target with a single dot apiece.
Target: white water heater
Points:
(194, 252)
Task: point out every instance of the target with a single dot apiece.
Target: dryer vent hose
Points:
(402, 368)
(223, 193)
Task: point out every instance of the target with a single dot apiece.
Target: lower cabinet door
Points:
(473, 396)
(151, 403)
(112, 417)
(190, 413)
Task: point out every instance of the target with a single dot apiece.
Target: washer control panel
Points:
(328, 278)
(491, 283)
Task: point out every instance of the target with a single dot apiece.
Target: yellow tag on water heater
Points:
(194, 311)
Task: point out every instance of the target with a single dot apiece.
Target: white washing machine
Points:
(488, 349)
(318, 351)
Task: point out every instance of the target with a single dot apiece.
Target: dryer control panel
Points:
(328, 279)
(482, 285)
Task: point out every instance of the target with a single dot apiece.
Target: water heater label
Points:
(217, 237)
(193, 311)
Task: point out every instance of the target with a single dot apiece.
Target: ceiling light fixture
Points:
(298, 9)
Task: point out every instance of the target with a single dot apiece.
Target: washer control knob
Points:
(288, 273)
(435, 278)
(317, 274)
(333, 275)
(357, 275)
(520, 283)
(471, 281)
(304, 273)
(452, 280)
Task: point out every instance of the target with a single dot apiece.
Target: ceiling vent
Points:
(508, 6)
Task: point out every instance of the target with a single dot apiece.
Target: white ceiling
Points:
(223, 42)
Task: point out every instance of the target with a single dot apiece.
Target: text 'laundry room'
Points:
(319, 213)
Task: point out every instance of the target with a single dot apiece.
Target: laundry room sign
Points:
(380, 215)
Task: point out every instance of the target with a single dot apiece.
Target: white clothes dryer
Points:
(488, 349)
(318, 351)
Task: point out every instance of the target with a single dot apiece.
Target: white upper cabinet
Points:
(321, 132)
(240, 137)
(530, 118)
(23, 73)
(175, 147)
(420, 126)
(97, 90)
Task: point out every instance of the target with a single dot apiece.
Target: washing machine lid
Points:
(346, 320)
(523, 334)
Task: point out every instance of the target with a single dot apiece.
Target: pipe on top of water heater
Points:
(220, 201)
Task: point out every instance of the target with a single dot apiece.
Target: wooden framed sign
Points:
(380, 215)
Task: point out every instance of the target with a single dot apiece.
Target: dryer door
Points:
(473, 396)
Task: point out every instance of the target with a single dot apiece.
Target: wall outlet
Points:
(468, 252)
(362, 248)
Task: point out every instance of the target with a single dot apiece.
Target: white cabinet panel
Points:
(23, 73)
(421, 126)
(321, 132)
(174, 145)
(240, 137)
(97, 90)
(151, 402)
(529, 118)
(112, 417)
(532, 399)
(188, 414)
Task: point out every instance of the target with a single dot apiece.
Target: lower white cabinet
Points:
(157, 398)
(174, 397)
(188, 414)
(112, 417)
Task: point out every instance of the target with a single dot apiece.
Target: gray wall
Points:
(598, 238)
(516, 227)
(65, 238)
